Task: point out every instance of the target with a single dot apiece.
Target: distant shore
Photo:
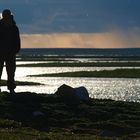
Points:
(83, 64)
(118, 73)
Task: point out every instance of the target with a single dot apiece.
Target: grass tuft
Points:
(96, 119)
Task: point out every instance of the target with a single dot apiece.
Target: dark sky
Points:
(84, 16)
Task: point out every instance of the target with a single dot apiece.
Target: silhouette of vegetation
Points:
(21, 83)
(118, 73)
(96, 119)
(83, 64)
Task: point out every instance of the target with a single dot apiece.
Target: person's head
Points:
(8, 17)
(6, 14)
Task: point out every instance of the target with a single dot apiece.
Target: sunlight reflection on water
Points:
(25, 71)
(125, 89)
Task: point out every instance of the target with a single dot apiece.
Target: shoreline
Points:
(83, 64)
(117, 73)
(21, 83)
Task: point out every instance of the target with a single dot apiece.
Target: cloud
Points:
(113, 39)
(77, 23)
(71, 16)
(83, 16)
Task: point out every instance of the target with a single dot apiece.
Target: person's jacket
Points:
(9, 39)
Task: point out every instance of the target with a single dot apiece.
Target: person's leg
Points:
(1, 68)
(10, 68)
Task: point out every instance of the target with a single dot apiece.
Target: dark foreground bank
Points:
(31, 116)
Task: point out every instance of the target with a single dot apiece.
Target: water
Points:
(126, 89)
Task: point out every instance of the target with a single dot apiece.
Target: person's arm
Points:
(17, 41)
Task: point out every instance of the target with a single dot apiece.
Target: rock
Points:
(68, 95)
(72, 96)
(65, 90)
(82, 93)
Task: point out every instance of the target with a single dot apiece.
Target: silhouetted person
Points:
(9, 47)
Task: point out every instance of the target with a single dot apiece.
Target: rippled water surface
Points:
(125, 89)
